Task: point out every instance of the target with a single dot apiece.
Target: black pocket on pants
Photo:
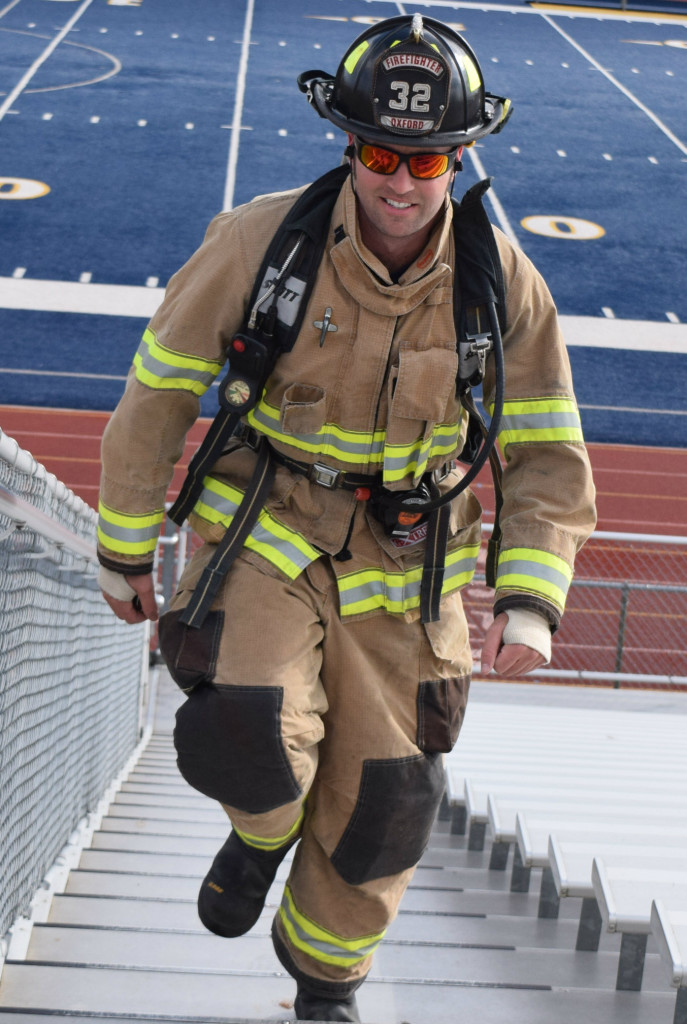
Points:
(229, 747)
(440, 710)
(190, 654)
(390, 826)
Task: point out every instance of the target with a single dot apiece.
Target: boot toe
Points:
(312, 1007)
(234, 891)
(227, 913)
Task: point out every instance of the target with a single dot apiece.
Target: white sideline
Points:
(141, 301)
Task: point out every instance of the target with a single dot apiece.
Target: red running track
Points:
(639, 489)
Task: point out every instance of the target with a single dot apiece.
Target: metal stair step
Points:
(181, 995)
(126, 881)
(132, 842)
(405, 958)
(171, 788)
(183, 798)
(215, 829)
(459, 925)
(136, 812)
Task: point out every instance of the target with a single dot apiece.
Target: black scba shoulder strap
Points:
(276, 309)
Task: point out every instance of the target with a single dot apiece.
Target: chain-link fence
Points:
(72, 676)
(626, 617)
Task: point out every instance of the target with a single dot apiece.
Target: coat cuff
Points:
(125, 568)
(531, 603)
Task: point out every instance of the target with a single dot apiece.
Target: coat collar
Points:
(366, 278)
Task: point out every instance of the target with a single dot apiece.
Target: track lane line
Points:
(26, 78)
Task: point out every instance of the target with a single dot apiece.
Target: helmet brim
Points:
(496, 110)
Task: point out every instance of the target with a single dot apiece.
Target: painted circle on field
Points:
(22, 188)
(563, 227)
(97, 65)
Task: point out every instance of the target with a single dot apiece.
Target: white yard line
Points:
(614, 81)
(9, 7)
(564, 11)
(50, 48)
(238, 110)
(498, 209)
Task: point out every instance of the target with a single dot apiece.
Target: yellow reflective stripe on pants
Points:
(536, 572)
(260, 843)
(540, 421)
(399, 592)
(321, 944)
(287, 550)
(129, 534)
(161, 368)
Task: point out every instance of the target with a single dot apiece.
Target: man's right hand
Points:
(137, 608)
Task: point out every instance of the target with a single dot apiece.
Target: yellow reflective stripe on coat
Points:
(411, 459)
(260, 843)
(540, 421)
(362, 451)
(278, 544)
(356, 447)
(399, 592)
(535, 572)
(129, 534)
(319, 943)
(162, 368)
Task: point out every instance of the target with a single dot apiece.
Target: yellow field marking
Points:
(608, 11)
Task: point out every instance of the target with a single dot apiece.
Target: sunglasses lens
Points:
(381, 161)
(428, 165)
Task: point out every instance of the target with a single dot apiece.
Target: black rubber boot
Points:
(234, 890)
(316, 1007)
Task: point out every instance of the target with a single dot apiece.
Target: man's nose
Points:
(402, 179)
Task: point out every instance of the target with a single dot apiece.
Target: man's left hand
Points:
(507, 659)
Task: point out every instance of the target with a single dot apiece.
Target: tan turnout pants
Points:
(296, 721)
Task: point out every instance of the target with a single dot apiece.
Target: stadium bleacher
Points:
(554, 888)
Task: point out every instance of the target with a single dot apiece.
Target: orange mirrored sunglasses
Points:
(386, 161)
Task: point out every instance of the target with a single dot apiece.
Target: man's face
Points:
(398, 206)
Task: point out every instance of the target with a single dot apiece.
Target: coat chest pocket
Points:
(303, 409)
(424, 386)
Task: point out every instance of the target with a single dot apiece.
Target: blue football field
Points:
(125, 125)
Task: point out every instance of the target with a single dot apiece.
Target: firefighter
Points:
(320, 696)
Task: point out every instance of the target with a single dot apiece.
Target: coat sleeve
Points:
(548, 492)
(180, 355)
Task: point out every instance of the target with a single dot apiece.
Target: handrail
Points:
(23, 514)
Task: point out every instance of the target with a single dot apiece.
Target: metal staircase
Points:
(123, 941)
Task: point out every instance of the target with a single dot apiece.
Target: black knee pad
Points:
(393, 817)
(190, 654)
(229, 747)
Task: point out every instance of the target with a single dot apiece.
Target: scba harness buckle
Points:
(325, 476)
